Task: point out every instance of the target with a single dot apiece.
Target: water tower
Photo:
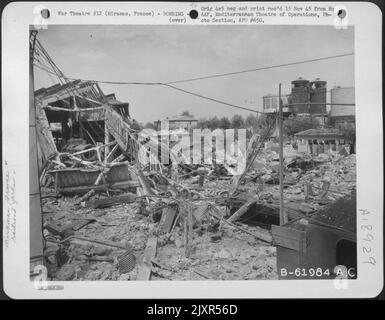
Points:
(318, 97)
(343, 96)
(300, 95)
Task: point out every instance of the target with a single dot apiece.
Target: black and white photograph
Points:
(186, 162)
(192, 150)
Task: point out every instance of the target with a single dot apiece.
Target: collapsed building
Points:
(79, 124)
(113, 207)
(107, 216)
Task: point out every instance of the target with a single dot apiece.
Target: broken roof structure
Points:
(78, 110)
(183, 121)
(78, 95)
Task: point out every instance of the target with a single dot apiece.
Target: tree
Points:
(224, 123)
(150, 125)
(202, 123)
(262, 123)
(213, 123)
(237, 122)
(293, 125)
(186, 113)
(349, 132)
(251, 121)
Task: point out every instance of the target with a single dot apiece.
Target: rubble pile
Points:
(181, 222)
(120, 202)
(332, 169)
(217, 252)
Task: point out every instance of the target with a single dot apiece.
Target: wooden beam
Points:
(82, 189)
(264, 236)
(110, 201)
(93, 148)
(112, 151)
(106, 142)
(289, 238)
(144, 272)
(167, 219)
(242, 210)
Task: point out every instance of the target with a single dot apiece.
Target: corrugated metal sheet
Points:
(340, 214)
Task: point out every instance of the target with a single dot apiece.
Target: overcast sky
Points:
(169, 53)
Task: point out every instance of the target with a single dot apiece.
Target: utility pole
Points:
(282, 216)
(35, 219)
(308, 103)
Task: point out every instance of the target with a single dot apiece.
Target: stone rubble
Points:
(218, 251)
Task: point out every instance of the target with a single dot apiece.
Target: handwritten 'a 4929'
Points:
(368, 237)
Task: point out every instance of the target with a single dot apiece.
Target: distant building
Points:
(300, 96)
(316, 141)
(340, 112)
(306, 98)
(309, 98)
(185, 122)
(318, 97)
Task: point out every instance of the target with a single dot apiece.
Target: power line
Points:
(262, 68)
(56, 71)
(212, 99)
(226, 103)
(102, 81)
(215, 75)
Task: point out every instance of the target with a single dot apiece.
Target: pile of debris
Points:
(113, 211)
(188, 229)
(185, 241)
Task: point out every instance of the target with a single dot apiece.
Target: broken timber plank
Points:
(264, 236)
(186, 237)
(144, 272)
(201, 210)
(82, 189)
(200, 273)
(242, 210)
(289, 238)
(110, 201)
(144, 183)
(190, 229)
(167, 220)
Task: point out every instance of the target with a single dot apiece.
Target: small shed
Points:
(312, 247)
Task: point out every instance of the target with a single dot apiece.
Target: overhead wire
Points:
(262, 68)
(59, 74)
(220, 74)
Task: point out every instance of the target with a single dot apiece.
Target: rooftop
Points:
(58, 87)
(324, 132)
(182, 118)
(111, 99)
